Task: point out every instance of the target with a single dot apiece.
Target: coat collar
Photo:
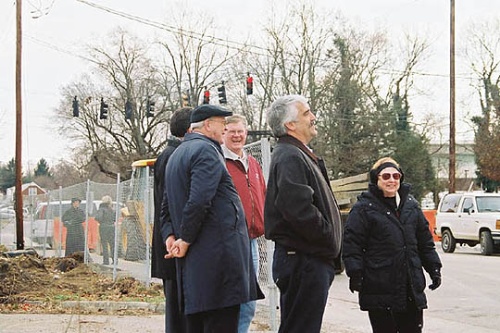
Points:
(297, 143)
(174, 142)
(403, 192)
(199, 136)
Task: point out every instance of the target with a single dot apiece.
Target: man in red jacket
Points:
(249, 181)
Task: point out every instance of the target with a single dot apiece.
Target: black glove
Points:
(355, 283)
(436, 279)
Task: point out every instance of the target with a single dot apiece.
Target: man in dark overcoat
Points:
(210, 237)
(73, 219)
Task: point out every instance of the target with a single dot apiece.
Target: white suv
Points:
(469, 218)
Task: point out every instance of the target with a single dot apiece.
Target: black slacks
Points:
(410, 321)
(224, 320)
(175, 320)
(303, 282)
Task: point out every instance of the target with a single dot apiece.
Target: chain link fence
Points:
(261, 151)
(54, 229)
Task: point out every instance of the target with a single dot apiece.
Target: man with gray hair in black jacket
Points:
(301, 216)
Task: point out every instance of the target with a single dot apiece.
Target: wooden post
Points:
(19, 118)
(451, 188)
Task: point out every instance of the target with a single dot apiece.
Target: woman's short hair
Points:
(384, 160)
(381, 164)
(283, 110)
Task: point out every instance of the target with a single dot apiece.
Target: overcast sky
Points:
(56, 31)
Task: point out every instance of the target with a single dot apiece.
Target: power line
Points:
(57, 48)
(196, 35)
(238, 46)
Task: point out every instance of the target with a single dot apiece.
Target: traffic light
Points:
(185, 99)
(76, 111)
(206, 96)
(222, 94)
(249, 84)
(104, 110)
(151, 109)
(128, 110)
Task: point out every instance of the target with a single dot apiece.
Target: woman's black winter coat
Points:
(388, 249)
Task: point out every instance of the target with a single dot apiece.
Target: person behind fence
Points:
(175, 321)
(210, 237)
(106, 216)
(73, 219)
(387, 244)
(249, 181)
(301, 216)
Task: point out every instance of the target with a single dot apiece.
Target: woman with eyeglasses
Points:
(387, 246)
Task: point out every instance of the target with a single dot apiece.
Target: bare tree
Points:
(289, 59)
(126, 76)
(195, 59)
(304, 52)
(483, 49)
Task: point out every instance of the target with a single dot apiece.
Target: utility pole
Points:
(451, 187)
(19, 118)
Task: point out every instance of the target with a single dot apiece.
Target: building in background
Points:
(465, 167)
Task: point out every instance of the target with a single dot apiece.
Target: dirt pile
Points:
(29, 282)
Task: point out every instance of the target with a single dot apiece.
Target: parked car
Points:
(9, 213)
(469, 218)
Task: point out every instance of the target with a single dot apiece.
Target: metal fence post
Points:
(117, 216)
(86, 231)
(46, 225)
(146, 224)
(59, 246)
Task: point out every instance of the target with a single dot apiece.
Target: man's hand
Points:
(177, 249)
(180, 248)
(169, 243)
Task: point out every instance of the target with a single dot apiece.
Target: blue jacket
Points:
(206, 212)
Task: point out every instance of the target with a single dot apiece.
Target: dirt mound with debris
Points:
(29, 282)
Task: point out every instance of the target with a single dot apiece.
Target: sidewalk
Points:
(66, 323)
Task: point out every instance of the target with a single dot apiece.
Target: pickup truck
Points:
(469, 218)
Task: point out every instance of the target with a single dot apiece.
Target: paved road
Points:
(467, 301)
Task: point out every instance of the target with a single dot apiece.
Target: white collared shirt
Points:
(235, 157)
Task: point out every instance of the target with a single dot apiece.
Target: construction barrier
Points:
(430, 215)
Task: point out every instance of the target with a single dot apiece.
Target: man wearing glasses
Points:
(250, 183)
(208, 233)
(387, 245)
